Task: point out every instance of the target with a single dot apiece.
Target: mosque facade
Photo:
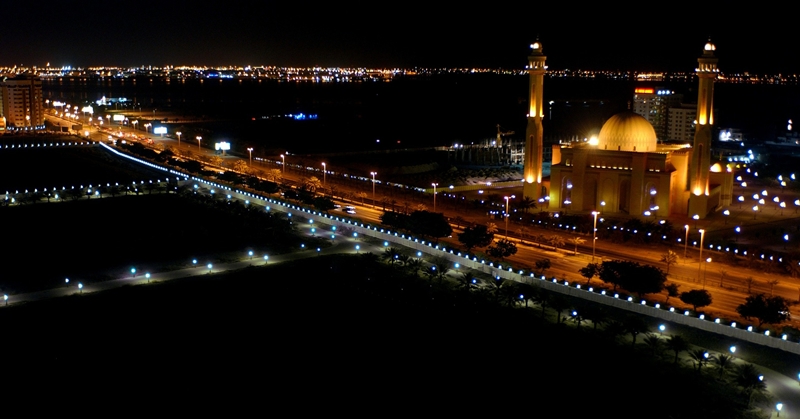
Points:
(625, 170)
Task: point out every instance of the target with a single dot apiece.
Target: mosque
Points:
(625, 170)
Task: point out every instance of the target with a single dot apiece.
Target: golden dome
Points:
(627, 131)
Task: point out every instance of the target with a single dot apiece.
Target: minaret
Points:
(532, 170)
(701, 152)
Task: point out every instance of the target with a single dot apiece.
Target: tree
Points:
(722, 362)
(749, 281)
(556, 241)
(475, 236)
(241, 166)
(559, 303)
(589, 271)
(429, 224)
(632, 276)
(672, 290)
(502, 249)
(669, 258)
(677, 344)
(765, 309)
(576, 241)
(312, 183)
(634, 325)
(215, 160)
(323, 203)
(653, 342)
(542, 265)
(699, 358)
(696, 298)
(746, 376)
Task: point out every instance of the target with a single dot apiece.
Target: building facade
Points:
(626, 170)
(21, 103)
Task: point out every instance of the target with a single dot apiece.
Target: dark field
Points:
(350, 333)
(65, 166)
(102, 238)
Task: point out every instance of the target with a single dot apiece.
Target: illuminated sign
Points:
(647, 90)
(160, 130)
(224, 146)
(118, 117)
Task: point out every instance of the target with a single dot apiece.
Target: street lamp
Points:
(507, 198)
(373, 187)
(179, 138)
(434, 195)
(702, 236)
(324, 170)
(705, 268)
(283, 163)
(685, 242)
(594, 232)
(250, 150)
(135, 124)
(198, 138)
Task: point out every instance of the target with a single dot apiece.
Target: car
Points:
(350, 209)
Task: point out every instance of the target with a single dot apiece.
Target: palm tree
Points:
(746, 376)
(669, 258)
(677, 344)
(556, 241)
(722, 362)
(391, 255)
(634, 325)
(576, 241)
(312, 183)
(699, 358)
(491, 228)
(525, 204)
(559, 304)
(653, 342)
(413, 266)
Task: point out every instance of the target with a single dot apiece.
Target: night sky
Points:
(619, 36)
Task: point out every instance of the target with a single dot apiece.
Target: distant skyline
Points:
(93, 33)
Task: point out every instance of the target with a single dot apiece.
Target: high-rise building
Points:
(654, 104)
(21, 104)
(680, 123)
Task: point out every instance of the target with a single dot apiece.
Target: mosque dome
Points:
(627, 131)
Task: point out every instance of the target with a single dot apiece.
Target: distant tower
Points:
(701, 152)
(532, 171)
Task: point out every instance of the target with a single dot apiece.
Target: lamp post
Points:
(323, 174)
(702, 236)
(283, 163)
(705, 267)
(685, 242)
(594, 232)
(198, 138)
(179, 138)
(373, 187)
(250, 150)
(507, 198)
(434, 195)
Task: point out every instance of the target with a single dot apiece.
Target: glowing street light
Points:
(373, 187)
(507, 198)
(283, 163)
(434, 195)
(80, 288)
(686, 241)
(324, 171)
(5, 298)
(250, 150)
(198, 138)
(594, 232)
(179, 138)
(702, 236)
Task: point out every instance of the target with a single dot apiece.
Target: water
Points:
(407, 112)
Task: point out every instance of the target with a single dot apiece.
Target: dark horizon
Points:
(181, 33)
